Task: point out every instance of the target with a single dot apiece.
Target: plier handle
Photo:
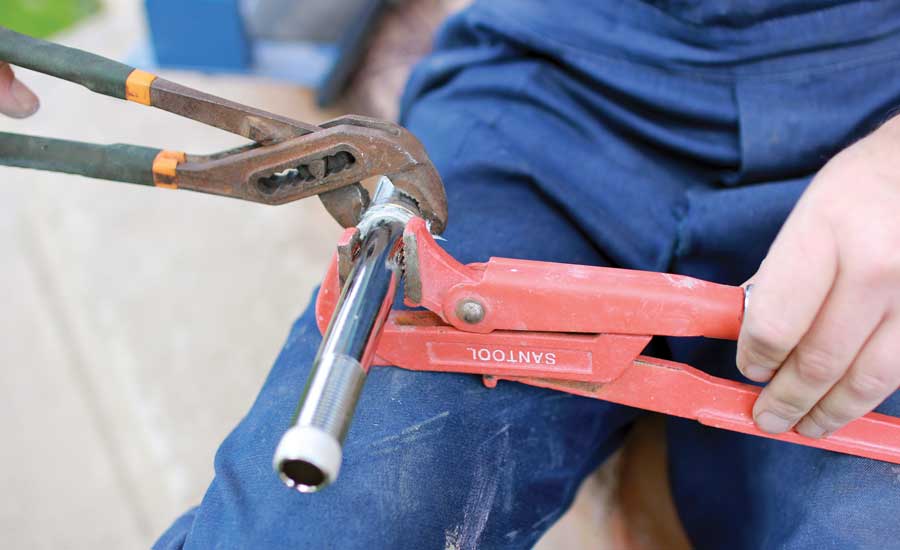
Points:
(288, 160)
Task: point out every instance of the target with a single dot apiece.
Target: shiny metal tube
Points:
(309, 454)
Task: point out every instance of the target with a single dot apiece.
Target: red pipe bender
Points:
(581, 330)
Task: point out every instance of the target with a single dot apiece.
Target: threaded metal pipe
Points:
(309, 454)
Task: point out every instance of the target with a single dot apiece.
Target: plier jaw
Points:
(329, 162)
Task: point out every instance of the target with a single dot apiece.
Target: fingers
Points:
(820, 359)
(872, 378)
(823, 322)
(16, 100)
(787, 294)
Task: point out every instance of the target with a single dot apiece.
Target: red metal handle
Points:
(680, 390)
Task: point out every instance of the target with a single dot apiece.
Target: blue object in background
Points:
(199, 34)
(316, 43)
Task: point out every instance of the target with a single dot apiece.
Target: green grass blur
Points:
(43, 18)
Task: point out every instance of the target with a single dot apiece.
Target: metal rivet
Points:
(470, 311)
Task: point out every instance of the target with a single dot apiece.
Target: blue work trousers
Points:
(667, 135)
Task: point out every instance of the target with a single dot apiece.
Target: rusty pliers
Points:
(288, 160)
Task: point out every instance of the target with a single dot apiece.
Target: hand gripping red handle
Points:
(580, 329)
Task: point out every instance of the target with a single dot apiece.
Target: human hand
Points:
(16, 100)
(823, 319)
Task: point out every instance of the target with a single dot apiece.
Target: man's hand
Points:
(16, 100)
(823, 320)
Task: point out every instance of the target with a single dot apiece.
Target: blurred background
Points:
(137, 324)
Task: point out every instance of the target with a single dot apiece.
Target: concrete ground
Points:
(137, 324)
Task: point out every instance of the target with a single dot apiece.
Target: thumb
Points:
(16, 100)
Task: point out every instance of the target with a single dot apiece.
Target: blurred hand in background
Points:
(16, 100)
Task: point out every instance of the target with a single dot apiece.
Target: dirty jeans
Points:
(671, 136)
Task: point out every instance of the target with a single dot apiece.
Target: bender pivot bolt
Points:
(470, 311)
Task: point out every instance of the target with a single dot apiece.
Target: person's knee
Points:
(435, 450)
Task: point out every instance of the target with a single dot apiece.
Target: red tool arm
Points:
(526, 295)
(581, 330)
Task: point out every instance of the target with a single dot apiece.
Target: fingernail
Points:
(27, 102)
(809, 428)
(757, 373)
(772, 423)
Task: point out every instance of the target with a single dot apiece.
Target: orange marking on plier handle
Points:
(165, 167)
(137, 86)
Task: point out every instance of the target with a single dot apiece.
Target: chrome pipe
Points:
(309, 455)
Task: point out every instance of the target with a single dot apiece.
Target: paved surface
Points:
(138, 323)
